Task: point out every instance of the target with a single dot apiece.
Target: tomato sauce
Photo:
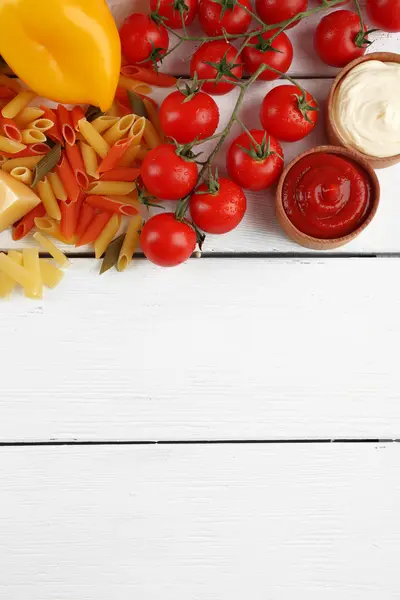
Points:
(327, 196)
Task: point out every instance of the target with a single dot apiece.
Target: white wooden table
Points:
(221, 430)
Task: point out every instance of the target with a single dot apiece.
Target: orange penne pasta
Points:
(55, 132)
(95, 228)
(76, 161)
(112, 205)
(77, 115)
(86, 216)
(24, 226)
(121, 174)
(68, 179)
(148, 76)
(10, 129)
(115, 154)
(65, 123)
(69, 218)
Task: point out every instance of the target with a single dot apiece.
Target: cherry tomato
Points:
(186, 119)
(223, 53)
(255, 163)
(277, 54)
(276, 11)
(234, 19)
(167, 175)
(385, 14)
(173, 10)
(166, 241)
(219, 207)
(339, 39)
(288, 114)
(142, 39)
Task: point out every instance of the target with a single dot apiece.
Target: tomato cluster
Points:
(288, 113)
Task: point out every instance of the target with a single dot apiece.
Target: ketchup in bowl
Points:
(327, 196)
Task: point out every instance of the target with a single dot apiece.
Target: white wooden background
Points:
(245, 366)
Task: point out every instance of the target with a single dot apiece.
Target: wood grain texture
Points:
(200, 522)
(215, 349)
(260, 232)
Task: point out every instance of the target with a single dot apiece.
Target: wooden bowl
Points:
(318, 243)
(332, 132)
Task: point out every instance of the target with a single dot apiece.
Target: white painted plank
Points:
(305, 62)
(259, 232)
(215, 349)
(200, 522)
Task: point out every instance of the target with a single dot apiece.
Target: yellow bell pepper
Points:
(65, 50)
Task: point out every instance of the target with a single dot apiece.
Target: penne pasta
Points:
(69, 218)
(129, 157)
(115, 155)
(76, 115)
(66, 125)
(10, 146)
(7, 283)
(101, 124)
(29, 162)
(114, 188)
(48, 245)
(3, 160)
(117, 131)
(93, 138)
(136, 134)
(51, 276)
(106, 236)
(148, 76)
(57, 186)
(66, 174)
(121, 174)
(154, 119)
(139, 87)
(150, 135)
(30, 258)
(50, 227)
(141, 153)
(32, 136)
(49, 201)
(112, 205)
(27, 115)
(16, 271)
(89, 158)
(22, 174)
(42, 125)
(130, 243)
(17, 104)
(25, 225)
(9, 128)
(55, 132)
(94, 229)
(85, 218)
(6, 95)
(10, 83)
(78, 168)
(114, 110)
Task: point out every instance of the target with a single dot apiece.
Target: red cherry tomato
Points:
(166, 241)
(223, 53)
(143, 39)
(234, 19)
(277, 54)
(276, 11)
(167, 175)
(384, 14)
(339, 39)
(218, 211)
(287, 114)
(186, 119)
(255, 166)
(173, 10)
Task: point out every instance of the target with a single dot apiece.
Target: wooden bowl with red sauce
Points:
(332, 131)
(368, 192)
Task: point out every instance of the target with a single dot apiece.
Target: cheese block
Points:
(16, 199)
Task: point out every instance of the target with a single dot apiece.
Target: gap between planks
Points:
(200, 442)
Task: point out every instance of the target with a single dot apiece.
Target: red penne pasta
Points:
(115, 154)
(6, 93)
(32, 150)
(24, 226)
(122, 109)
(69, 218)
(75, 160)
(55, 132)
(10, 129)
(148, 76)
(121, 174)
(68, 179)
(111, 205)
(94, 229)
(122, 97)
(86, 216)
(66, 125)
(77, 115)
